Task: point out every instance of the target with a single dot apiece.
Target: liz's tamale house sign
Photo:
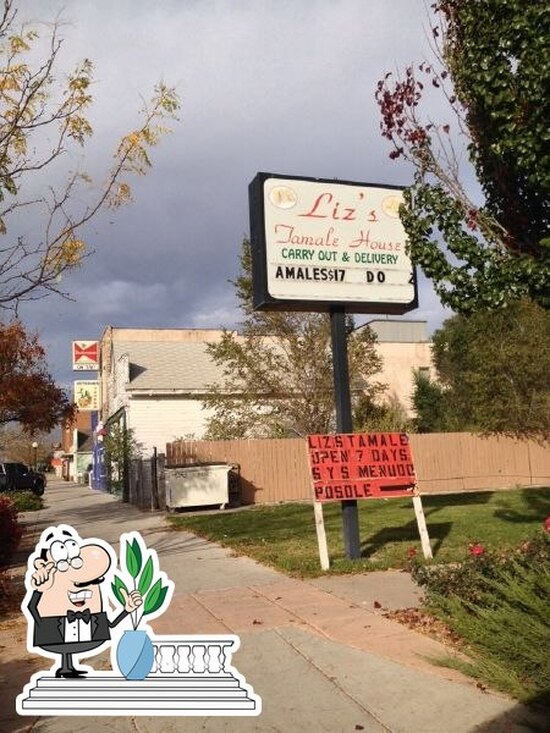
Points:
(351, 466)
(318, 243)
(361, 466)
(335, 246)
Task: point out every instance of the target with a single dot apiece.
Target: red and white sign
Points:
(361, 466)
(85, 356)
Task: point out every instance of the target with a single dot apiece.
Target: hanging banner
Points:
(86, 395)
(361, 466)
(319, 243)
(85, 356)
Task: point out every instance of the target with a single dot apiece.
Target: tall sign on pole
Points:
(335, 246)
(87, 392)
(85, 356)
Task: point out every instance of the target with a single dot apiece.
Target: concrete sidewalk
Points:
(319, 653)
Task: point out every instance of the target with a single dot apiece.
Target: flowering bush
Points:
(469, 579)
(476, 550)
(496, 603)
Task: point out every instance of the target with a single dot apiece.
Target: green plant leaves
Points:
(153, 593)
(137, 551)
(152, 597)
(133, 558)
(146, 577)
(498, 62)
(116, 586)
(162, 596)
(155, 598)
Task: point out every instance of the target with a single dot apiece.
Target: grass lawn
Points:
(284, 537)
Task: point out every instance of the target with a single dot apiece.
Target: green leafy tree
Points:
(121, 447)
(41, 119)
(493, 65)
(388, 417)
(278, 376)
(494, 369)
(430, 406)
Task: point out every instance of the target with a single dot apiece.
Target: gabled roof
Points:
(168, 366)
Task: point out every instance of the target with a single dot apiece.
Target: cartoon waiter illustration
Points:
(66, 609)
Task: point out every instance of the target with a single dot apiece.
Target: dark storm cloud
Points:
(277, 86)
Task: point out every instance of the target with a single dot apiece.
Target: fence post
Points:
(140, 483)
(154, 481)
(161, 482)
(131, 481)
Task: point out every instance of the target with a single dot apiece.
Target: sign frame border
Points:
(263, 300)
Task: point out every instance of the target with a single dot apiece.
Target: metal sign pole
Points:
(350, 514)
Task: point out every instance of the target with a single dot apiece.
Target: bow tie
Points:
(75, 615)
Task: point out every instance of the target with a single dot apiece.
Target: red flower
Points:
(546, 524)
(412, 552)
(477, 550)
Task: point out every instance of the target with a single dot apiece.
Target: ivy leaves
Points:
(497, 56)
(472, 270)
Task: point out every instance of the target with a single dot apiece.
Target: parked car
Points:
(17, 477)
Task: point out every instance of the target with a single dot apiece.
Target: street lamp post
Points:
(34, 454)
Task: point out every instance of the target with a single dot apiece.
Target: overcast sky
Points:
(282, 86)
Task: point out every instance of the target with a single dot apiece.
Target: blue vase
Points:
(135, 655)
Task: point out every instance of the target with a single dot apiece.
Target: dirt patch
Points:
(16, 668)
(425, 623)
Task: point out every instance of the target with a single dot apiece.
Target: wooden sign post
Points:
(351, 466)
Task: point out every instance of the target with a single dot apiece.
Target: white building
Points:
(154, 380)
(404, 347)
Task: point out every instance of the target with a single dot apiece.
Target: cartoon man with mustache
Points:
(66, 605)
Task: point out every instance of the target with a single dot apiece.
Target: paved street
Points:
(319, 653)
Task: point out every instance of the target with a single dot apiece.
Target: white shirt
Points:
(78, 630)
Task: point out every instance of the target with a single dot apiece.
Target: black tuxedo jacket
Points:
(51, 629)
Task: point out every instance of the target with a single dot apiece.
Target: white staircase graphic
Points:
(191, 676)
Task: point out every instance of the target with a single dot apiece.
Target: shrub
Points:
(468, 579)
(507, 631)
(498, 605)
(10, 530)
(25, 501)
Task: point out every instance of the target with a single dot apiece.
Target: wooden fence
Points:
(277, 470)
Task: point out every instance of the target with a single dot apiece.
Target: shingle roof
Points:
(168, 365)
